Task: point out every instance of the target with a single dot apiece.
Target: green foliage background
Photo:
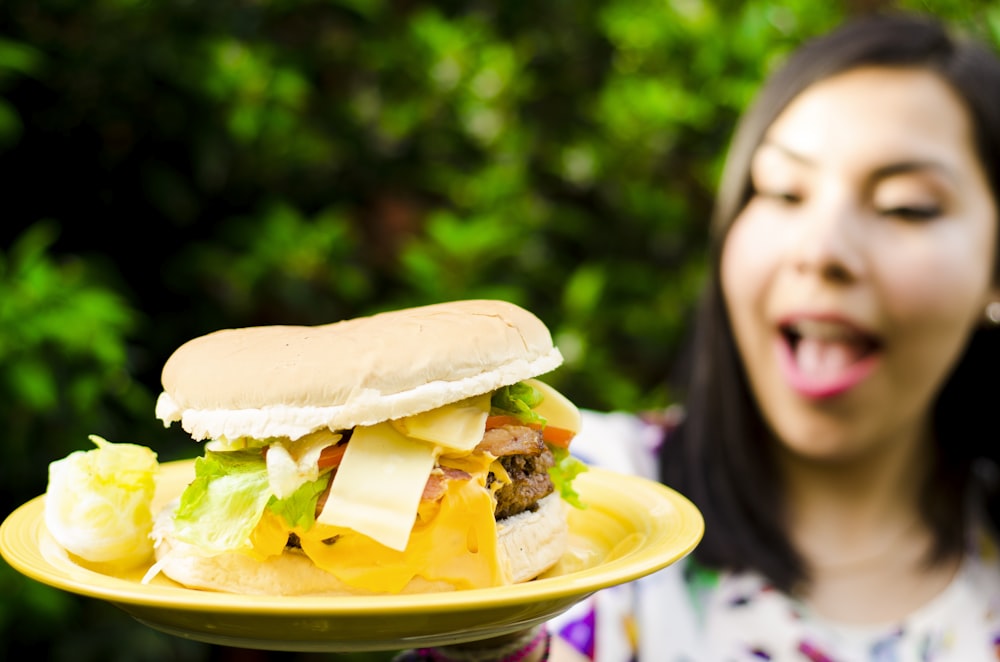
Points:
(174, 167)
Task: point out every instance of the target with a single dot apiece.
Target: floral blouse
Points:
(687, 613)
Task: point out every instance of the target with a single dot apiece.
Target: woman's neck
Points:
(858, 526)
(832, 503)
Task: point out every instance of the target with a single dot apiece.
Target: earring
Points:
(993, 312)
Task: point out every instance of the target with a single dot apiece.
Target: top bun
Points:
(287, 381)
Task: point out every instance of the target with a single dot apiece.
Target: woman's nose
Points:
(830, 244)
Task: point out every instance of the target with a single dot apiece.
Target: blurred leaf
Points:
(582, 294)
(34, 382)
(10, 124)
(18, 57)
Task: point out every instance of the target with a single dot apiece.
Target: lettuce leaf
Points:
(98, 502)
(517, 400)
(567, 467)
(299, 508)
(220, 508)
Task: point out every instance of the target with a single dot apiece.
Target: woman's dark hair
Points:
(719, 455)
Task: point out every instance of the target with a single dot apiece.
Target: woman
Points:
(839, 427)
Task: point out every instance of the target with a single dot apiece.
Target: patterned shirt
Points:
(687, 613)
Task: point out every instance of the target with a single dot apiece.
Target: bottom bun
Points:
(529, 543)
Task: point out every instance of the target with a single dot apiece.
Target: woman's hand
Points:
(530, 645)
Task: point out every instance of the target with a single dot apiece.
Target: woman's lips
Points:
(823, 358)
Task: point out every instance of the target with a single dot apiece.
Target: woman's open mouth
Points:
(822, 358)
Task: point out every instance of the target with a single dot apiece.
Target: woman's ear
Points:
(991, 313)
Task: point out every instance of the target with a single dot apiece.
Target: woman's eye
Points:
(912, 212)
(786, 197)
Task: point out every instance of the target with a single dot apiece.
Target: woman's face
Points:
(856, 273)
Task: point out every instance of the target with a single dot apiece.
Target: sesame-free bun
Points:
(529, 544)
(287, 381)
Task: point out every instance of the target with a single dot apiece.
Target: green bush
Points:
(175, 167)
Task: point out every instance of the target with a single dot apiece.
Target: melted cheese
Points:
(461, 521)
(459, 426)
(377, 488)
(269, 537)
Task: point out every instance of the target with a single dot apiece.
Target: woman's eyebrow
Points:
(786, 151)
(914, 166)
(890, 169)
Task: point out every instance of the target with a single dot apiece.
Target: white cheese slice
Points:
(556, 408)
(377, 488)
(290, 464)
(459, 426)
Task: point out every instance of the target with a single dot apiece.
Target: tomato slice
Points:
(560, 437)
(331, 456)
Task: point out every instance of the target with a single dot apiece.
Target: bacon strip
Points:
(436, 482)
(512, 440)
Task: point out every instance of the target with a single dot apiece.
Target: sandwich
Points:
(408, 451)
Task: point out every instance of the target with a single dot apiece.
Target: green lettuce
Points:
(222, 506)
(299, 508)
(566, 468)
(517, 400)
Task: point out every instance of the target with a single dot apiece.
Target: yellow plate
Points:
(631, 528)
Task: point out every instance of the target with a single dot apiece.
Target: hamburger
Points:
(408, 451)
